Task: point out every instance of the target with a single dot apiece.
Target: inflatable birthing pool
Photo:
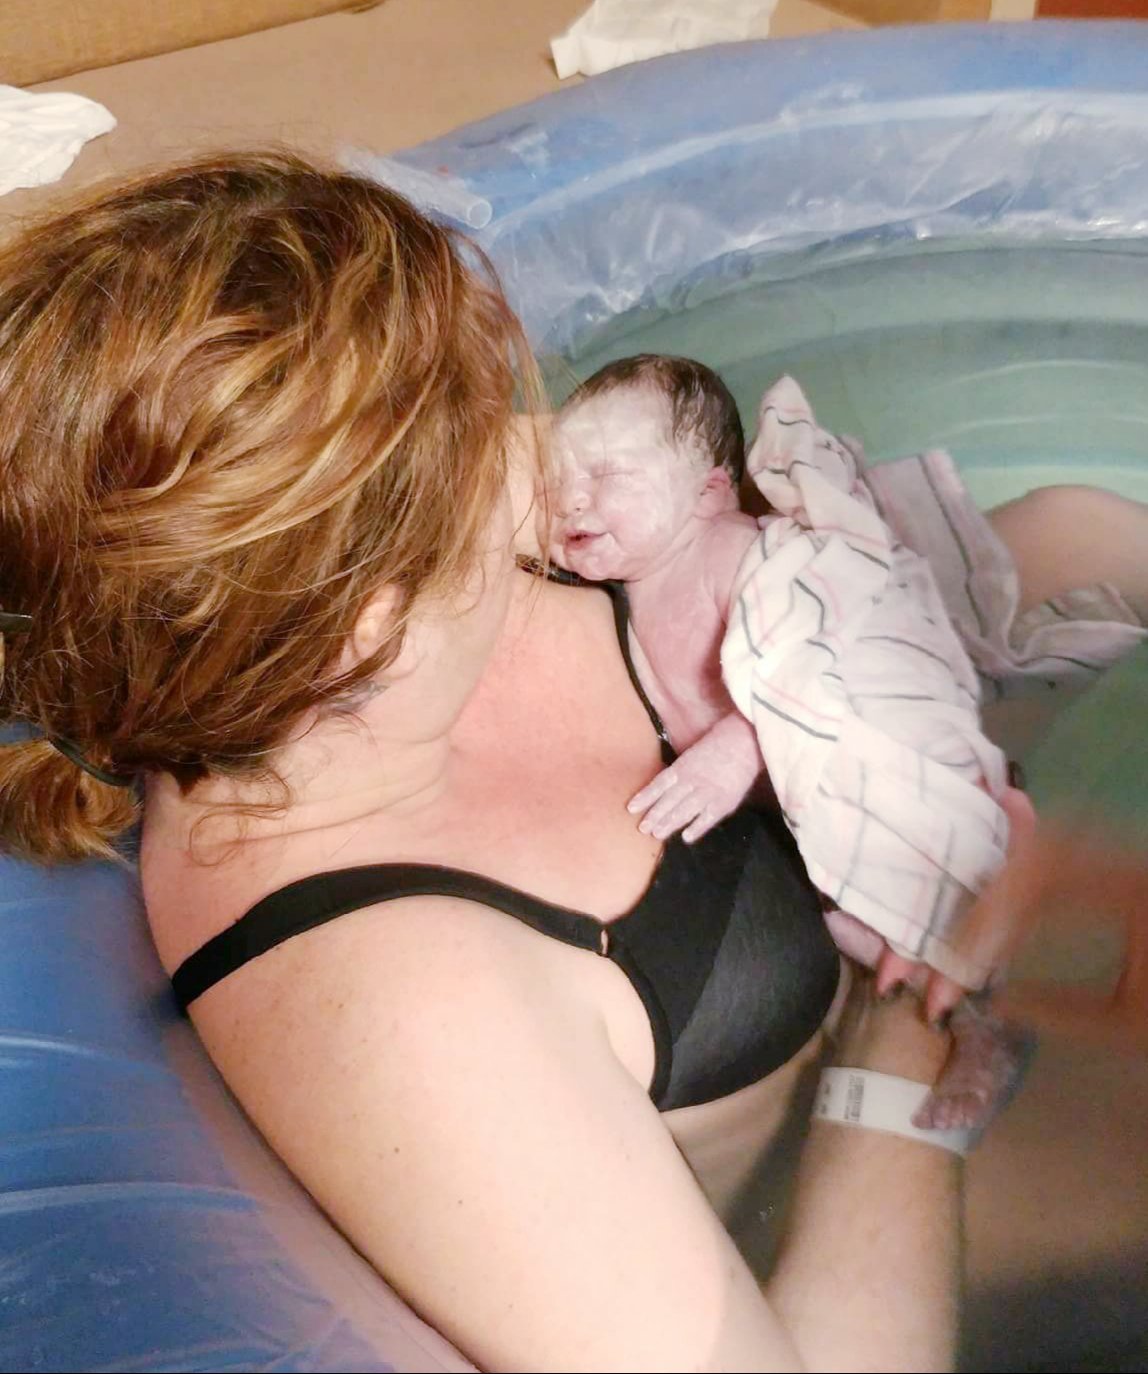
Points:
(942, 232)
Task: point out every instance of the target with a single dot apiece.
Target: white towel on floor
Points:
(865, 703)
(613, 32)
(41, 133)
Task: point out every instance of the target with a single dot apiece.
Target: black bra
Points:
(727, 947)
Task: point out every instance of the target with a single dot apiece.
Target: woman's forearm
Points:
(869, 1277)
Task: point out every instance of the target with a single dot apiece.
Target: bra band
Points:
(310, 902)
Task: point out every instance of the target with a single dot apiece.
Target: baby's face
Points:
(626, 491)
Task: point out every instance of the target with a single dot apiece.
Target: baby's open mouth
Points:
(578, 539)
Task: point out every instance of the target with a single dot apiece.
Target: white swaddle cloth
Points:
(1063, 644)
(865, 703)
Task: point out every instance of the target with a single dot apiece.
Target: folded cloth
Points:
(1066, 642)
(614, 32)
(40, 134)
(864, 701)
(853, 657)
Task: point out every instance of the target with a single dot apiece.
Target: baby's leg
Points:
(854, 937)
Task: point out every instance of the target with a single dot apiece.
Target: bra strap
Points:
(620, 603)
(312, 901)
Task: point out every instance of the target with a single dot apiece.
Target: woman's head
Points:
(238, 398)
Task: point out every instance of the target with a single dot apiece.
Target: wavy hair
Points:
(238, 397)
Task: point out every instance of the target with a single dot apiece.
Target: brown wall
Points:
(913, 11)
(43, 39)
(1092, 9)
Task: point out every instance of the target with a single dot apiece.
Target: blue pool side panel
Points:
(143, 1223)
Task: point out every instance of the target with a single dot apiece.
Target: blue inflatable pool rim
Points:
(627, 191)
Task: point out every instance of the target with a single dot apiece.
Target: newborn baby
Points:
(810, 640)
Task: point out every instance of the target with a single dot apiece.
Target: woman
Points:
(258, 541)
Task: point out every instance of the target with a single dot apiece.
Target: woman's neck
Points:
(393, 755)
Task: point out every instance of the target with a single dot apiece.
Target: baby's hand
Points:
(704, 785)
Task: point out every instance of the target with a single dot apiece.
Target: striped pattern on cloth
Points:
(840, 652)
(876, 607)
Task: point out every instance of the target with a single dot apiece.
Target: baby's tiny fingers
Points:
(670, 814)
(660, 809)
(702, 825)
(643, 800)
(941, 995)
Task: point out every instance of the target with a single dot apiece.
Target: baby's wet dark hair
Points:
(701, 405)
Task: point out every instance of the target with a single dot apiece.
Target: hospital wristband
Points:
(882, 1102)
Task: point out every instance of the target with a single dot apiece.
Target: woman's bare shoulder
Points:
(457, 1106)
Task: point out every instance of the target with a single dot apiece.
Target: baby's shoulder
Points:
(734, 525)
(727, 541)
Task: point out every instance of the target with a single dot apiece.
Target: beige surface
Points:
(386, 78)
(1060, 1179)
(916, 11)
(796, 18)
(40, 39)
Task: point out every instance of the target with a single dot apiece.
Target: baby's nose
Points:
(573, 496)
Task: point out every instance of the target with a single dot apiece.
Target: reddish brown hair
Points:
(237, 398)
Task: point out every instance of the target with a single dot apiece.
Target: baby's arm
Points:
(704, 784)
(709, 780)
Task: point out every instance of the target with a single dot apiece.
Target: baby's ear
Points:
(717, 494)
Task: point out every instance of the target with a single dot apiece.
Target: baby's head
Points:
(643, 449)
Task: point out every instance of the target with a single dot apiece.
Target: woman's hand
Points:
(847, 1251)
(1048, 870)
(888, 1036)
(988, 935)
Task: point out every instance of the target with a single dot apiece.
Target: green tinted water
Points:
(1030, 364)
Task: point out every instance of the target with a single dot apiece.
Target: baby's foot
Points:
(987, 1061)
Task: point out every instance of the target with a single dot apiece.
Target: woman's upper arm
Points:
(469, 1127)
